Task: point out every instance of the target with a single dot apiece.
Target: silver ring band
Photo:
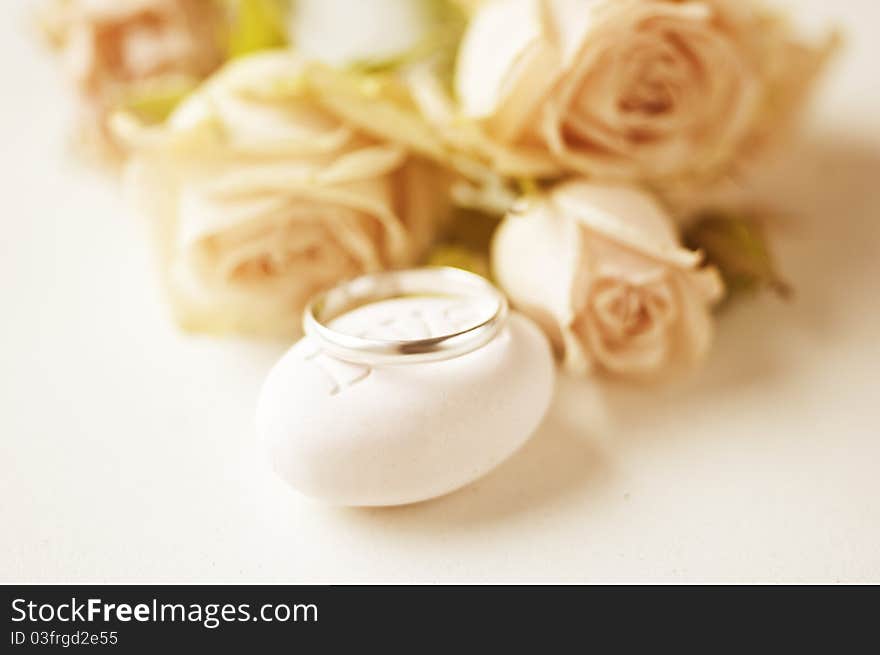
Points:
(374, 287)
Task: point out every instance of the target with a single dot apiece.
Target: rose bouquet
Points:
(568, 149)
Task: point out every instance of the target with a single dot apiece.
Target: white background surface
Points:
(127, 450)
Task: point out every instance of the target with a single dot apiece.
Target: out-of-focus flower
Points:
(392, 76)
(142, 54)
(262, 197)
(634, 90)
(373, 34)
(602, 270)
(411, 107)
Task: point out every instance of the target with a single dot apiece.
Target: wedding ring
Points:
(374, 287)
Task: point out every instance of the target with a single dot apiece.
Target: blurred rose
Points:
(118, 52)
(264, 198)
(600, 267)
(630, 89)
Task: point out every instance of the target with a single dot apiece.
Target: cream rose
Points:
(263, 198)
(629, 90)
(601, 268)
(118, 51)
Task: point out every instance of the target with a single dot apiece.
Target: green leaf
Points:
(154, 103)
(459, 257)
(736, 245)
(257, 25)
(466, 242)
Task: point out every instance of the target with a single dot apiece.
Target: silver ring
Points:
(374, 287)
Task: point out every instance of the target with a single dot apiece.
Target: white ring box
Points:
(358, 434)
